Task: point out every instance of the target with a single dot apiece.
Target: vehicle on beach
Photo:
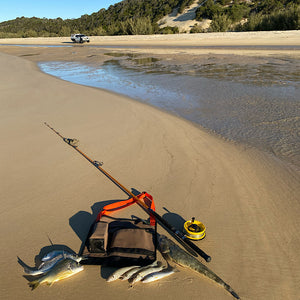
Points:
(79, 38)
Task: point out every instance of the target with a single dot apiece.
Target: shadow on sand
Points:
(82, 221)
(38, 258)
(174, 219)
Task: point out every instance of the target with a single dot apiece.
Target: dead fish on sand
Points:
(66, 254)
(139, 275)
(174, 253)
(118, 273)
(132, 272)
(63, 269)
(48, 262)
(158, 275)
(44, 266)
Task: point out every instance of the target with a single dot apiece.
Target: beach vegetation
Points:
(280, 19)
(184, 4)
(197, 29)
(169, 30)
(130, 17)
(220, 23)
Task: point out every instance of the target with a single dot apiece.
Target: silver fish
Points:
(158, 275)
(132, 274)
(139, 275)
(129, 273)
(174, 253)
(63, 269)
(49, 261)
(133, 271)
(44, 267)
(118, 273)
(66, 254)
(51, 255)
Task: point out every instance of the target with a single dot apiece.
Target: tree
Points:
(220, 23)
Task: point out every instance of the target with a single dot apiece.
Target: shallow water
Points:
(36, 45)
(258, 106)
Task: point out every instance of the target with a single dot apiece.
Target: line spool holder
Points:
(194, 230)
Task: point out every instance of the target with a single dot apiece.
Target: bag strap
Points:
(110, 208)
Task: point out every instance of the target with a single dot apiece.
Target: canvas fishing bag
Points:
(121, 241)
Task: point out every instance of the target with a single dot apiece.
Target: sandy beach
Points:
(248, 200)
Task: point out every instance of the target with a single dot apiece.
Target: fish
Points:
(158, 275)
(63, 269)
(132, 272)
(139, 275)
(172, 252)
(52, 254)
(49, 261)
(129, 273)
(44, 266)
(118, 273)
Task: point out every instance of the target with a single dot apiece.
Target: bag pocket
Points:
(133, 243)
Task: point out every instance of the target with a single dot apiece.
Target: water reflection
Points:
(237, 106)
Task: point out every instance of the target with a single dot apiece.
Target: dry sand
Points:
(248, 200)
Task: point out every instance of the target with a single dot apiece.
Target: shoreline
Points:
(267, 147)
(187, 59)
(48, 190)
(146, 43)
(289, 37)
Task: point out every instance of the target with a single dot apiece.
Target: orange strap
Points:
(110, 208)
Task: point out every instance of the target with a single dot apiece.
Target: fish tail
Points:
(27, 270)
(227, 287)
(210, 274)
(231, 291)
(34, 284)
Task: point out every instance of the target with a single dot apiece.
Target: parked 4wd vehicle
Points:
(79, 38)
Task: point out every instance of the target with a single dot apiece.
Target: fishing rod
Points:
(178, 235)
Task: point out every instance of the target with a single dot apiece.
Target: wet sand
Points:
(247, 97)
(248, 200)
(254, 102)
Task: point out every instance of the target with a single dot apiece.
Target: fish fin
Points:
(26, 268)
(34, 284)
(49, 240)
(232, 292)
(29, 271)
(235, 295)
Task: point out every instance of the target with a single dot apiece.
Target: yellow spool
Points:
(194, 230)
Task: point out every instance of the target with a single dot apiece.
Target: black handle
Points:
(197, 249)
(179, 236)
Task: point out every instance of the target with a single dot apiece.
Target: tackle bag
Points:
(120, 241)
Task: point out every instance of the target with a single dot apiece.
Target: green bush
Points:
(169, 30)
(285, 19)
(220, 23)
(136, 26)
(197, 29)
(238, 11)
(209, 10)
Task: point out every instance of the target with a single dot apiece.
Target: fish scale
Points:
(138, 276)
(63, 269)
(174, 253)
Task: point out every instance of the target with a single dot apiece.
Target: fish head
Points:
(164, 245)
(77, 258)
(75, 266)
(112, 277)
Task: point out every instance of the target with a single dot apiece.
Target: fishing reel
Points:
(194, 230)
(72, 142)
